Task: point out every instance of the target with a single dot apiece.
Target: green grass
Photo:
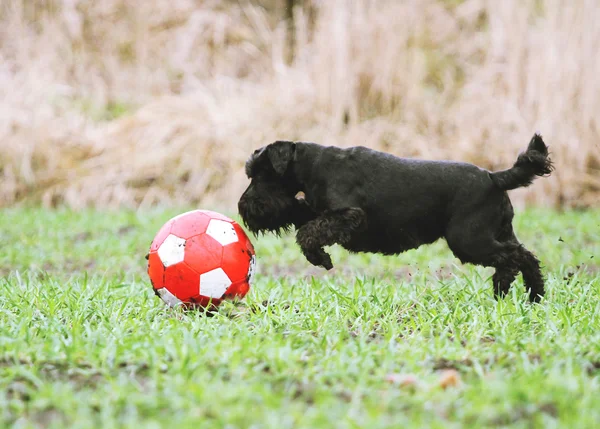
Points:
(85, 343)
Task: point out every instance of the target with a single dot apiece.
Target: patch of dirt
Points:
(81, 237)
(6, 362)
(458, 364)
(260, 308)
(294, 270)
(69, 266)
(48, 417)
(372, 335)
(585, 268)
(410, 381)
(124, 230)
(18, 390)
(39, 418)
(81, 375)
(343, 270)
(444, 273)
(462, 342)
(591, 269)
(549, 408)
(593, 367)
(306, 392)
(84, 236)
(524, 413)
(451, 364)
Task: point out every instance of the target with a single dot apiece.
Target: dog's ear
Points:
(251, 162)
(281, 154)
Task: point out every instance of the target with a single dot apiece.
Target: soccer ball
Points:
(199, 258)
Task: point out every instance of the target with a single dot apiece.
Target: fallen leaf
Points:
(449, 378)
(403, 380)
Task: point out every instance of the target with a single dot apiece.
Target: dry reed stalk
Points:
(130, 103)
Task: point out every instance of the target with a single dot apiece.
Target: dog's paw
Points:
(326, 263)
(319, 258)
(534, 298)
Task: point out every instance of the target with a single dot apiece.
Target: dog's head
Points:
(269, 203)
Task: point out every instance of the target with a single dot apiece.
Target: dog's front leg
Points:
(333, 226)
(302, 214)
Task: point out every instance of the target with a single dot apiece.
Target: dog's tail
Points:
(533, 162)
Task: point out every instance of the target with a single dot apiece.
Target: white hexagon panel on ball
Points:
(214, 283)
(172, 250)
(222, 231)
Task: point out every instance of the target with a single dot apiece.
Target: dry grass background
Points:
(141, 102)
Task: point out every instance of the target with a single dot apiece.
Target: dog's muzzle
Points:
(251, 213)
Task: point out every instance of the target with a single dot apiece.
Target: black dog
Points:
(369, 201)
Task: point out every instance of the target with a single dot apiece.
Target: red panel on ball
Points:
(203, 253)
(239, 290)
(182, 281)
(236, 261)
(205, 302)
(189, 224)
(243, 238)
(156, 270)
(160, 236)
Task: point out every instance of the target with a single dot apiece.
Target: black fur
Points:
(369, 201)
(533, 162)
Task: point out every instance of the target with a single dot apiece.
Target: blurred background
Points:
(137, 103)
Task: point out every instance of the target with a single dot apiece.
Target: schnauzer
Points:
(369, 201)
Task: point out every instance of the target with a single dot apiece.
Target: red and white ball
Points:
(200, 258)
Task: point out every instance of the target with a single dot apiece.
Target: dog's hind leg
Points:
(479, 246)
(502, 279)
(522, 260)
(529, 266)
(489, 253)
(333, 226)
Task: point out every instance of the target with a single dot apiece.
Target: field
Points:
(409, 341)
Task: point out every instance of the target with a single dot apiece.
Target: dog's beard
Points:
(261, 217)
